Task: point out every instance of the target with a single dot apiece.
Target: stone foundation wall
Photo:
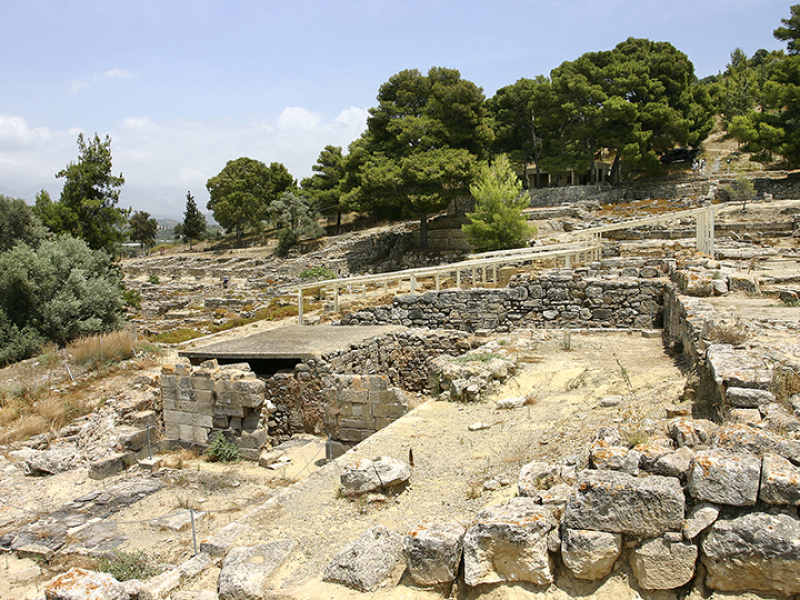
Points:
(564, 298)
(202, 400)
(781, 187)
(361, 405)
(302, 396)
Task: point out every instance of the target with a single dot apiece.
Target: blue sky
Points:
(182, 87)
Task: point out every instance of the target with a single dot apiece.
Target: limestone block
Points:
(535, 476)
(433, 552)
(86, 585)
(615, 458)
(664, 563)
(780, 481)
(510, 543)
(652, 450)
(701, 517)
(748, 397)
(368, 561)
(691, 432)
(674, 464)
(365, 475)
(389, 411)
(354, 396)
(756, 551)
(590, 554)
(723, 477)
(620, 503)
(172, 430)
(106, 467)
(246, 571)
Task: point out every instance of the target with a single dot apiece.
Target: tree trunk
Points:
(339, 222)
(423, 232)
(615, 168)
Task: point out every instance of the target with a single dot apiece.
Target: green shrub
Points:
(223, 450)
(318, 273)
(152, 278)
(132, 298)
(124, 566)
(58, 292)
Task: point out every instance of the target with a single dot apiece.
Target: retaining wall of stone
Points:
(629, 296)
(780, 187)
(313, 396)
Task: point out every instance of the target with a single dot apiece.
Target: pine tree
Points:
(194, 222)
(498, 222)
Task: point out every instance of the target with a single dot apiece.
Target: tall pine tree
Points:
(194, 222)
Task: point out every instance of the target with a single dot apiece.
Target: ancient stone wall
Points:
(628, 296)
(360, 405)
(198, 401)
(302, 396)
(780, 187)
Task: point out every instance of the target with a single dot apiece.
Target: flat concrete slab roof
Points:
(290, 342)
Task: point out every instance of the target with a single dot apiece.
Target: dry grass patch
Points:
(105, 349)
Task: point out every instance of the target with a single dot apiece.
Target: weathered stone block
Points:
(701, 517)
(725, 477)
(510, 543)
(664, 563)
(780, 481)
(433, 552)
(756, 551)
(590, 554)
(246, 571)
(368, 561)
(362, 476)
(620, 503)
(748, 397)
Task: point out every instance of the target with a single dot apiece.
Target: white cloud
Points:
(118, 73)
(353, 117)
(297, 117)
(77, 85)
(162, 159)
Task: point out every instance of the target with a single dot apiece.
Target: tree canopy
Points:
(194, 224)
(421, 145)
(87, 207)
(18, 224)
(143, 229)
(635, 101)
(323, 187)
(790, 32)
(243, 190)
(498, 222)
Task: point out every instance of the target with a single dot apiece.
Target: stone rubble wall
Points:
(625, 294)
(361, 405)
(779, 185)
(314, 396)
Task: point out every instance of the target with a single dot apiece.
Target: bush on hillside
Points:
(58, 292)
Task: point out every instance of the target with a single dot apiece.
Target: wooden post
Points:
(336, 299)
(437, 281)
(300, 307)
(413, 283)
(458, 278)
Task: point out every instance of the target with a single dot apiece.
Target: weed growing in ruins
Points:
(103, 350)
(223, 450)
(152, 278)
(734, 333)
(132, 298)
(318, 273)
(176, 336)
(124, 566)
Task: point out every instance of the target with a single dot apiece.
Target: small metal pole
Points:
(329, 449)
(194, 533)
(149, 448)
